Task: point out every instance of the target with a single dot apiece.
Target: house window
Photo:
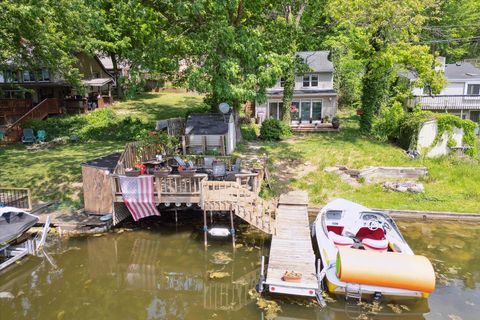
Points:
(310, 80)
(43, 75)
(473, 89)
(28, 76)
(306, 81)
(282, 82)
(275, 110)
(2, 79)
(11, 76)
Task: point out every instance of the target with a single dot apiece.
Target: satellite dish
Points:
(224, 107)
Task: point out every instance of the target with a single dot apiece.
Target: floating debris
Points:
(221, 257)
(270, 307)
(241, 282)
(238, 245)
(395, 308)
(373, 308)
(454, 317)
(212, 274)
(6, 295)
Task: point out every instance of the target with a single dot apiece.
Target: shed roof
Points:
(108, 162)
(98, 82)
(207, 124)
(317, 60)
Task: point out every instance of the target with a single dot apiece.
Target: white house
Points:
(314, 97)
(460, 96)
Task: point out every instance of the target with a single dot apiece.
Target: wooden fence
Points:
(16, 197)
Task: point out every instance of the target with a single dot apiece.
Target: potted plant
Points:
(132, 172)
(186, 172)
(162, 172)
(291, 276)
(335, 123)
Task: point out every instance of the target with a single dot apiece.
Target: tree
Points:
(44, 33)
(458, 20)
(383, 35)
(131, 31)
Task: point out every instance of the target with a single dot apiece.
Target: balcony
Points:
(446, 102)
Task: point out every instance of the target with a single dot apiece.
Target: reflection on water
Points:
(163, 274)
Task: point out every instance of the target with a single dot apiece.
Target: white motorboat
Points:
(363, 254)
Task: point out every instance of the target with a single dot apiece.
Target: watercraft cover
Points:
(13, 223)
(385, 269)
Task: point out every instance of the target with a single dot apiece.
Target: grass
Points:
(55, 174)
(451, 185)
(150, 107)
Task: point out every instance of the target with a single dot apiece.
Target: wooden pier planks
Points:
(291, 248)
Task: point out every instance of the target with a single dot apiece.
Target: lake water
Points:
(164, 273)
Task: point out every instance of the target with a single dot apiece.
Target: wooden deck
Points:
(291, 248)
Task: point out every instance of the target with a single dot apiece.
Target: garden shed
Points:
(206, 132)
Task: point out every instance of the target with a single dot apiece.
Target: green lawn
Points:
(55, 174)
(451, 185)
(150, 107)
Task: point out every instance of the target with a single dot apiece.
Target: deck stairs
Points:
(46, 107)
(231, 195)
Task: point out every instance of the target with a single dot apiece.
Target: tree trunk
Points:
(116, 75)
(288, 89)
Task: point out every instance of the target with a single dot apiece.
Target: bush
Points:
(102, 124)
(274, 130)
(386, 126)
(250, 131)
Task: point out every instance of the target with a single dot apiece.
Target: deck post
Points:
(232, 230)
(205, 228)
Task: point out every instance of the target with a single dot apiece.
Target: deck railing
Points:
(445, 102)
(16, 197)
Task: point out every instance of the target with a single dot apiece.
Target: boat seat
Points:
(339, 240)
(375, 245)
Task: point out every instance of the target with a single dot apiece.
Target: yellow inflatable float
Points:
(385, 269)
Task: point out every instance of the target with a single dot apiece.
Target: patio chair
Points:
(208, 162)
(41, 135)
(28, 136)
(2, 135)
(219, 171)
(180, 161)
(237, 165)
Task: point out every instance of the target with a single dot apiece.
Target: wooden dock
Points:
(291, 248)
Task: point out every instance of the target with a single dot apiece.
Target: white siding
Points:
(426, 137)
(454, 88)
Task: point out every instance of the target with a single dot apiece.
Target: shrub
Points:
(273, 129)
(102, 124)
(386, 126)
(250, 131)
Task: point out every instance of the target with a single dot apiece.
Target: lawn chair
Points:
(219, 170)
(41, 135)
(28, 136)
(180, 161)
(2, 135)
(237, 166)
(208, 162)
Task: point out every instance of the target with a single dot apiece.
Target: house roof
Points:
(98, 82)
(462, 71)
(317, 60)
(108, 162)
(107, 63)
(207, 124)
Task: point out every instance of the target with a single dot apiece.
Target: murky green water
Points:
(163, 273)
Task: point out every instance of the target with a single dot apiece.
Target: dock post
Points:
(232, 230)
(205, 227)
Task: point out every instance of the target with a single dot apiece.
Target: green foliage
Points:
(386, 126)
(274, 130)
(447, 122)
(163, 143)
(250, 131)
(102, 124)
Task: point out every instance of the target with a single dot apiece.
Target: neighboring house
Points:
(314, 98)
(23, 90)
(460, 96)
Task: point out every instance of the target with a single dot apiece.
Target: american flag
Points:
(138, 195)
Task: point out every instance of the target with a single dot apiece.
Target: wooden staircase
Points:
(47, 107)
(230, 195)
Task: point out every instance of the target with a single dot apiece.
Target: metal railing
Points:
(445, 102)
(16, 197)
